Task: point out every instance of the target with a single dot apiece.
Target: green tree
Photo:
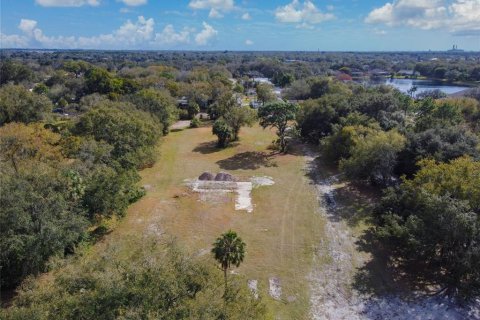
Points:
(316, 117)
(374, 157)
(132, 133)
(76, 67)
(193, 109)
(431, 224)
(17, 104)
(15, 72)
(265, 93)
(156, 280)
(223, 132)
(278, 115)
(159, 103)
(228, 250)
(237, 117)
(38, 219)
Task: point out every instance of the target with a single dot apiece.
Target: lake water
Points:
(423, 85)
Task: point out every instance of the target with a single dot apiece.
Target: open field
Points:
(281, 233)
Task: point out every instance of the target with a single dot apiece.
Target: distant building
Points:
(182, 103)
(343, 77)
(455, 49)
(407, 73)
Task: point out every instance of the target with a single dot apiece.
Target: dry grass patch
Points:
(281, 232)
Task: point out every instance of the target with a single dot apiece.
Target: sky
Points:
(325, 25)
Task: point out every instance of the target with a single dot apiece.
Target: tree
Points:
(23, 145)
(132, 133)
(17, 104)
(431, 224)
(224, 103)
(159, 103)
(238, 117)
(339, 145)
(76, 67)
(265, 93)
(193, 109)
(316, 117)
(38, 219)
(228, 250)
(439, 143)
(278, 115)
(374, 157)
(14, 72)
(156, 280)
(223, 132)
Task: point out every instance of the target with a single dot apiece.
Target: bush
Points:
(195, 123)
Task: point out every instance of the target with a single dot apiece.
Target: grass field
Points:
(280, 234)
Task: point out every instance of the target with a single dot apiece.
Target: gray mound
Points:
(222, 176)
(206, 176)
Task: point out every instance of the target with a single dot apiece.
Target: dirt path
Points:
(179, 125)
(336, 262)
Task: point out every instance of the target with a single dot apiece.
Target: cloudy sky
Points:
(241, 24)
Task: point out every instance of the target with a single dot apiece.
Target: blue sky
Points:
(326, 25)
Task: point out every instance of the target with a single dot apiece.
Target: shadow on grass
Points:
(210, 147)
(249, 160)
(382, 275)
(99, 233)
(376, 276)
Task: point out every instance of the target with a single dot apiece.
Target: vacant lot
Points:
(281, 233)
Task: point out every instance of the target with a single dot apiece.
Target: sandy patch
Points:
(262, 181)
(275, 289)
(253, 286)
(218, 191)
(182, 124)
(243, 200)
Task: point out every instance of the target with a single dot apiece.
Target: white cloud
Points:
(246, 16)
(306, 13)
(170, 37)
(208, 33)
(380, 32)
(134, 3)
(248, 42)
(458, 16)
(27, 26)
(465, 17)
(217, 7)
(130, 35)
(225, 5)
(214, 13)
(13, 41)
(67, 3)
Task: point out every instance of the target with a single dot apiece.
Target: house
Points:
(343, 77)
(182, 103)
(408, 73)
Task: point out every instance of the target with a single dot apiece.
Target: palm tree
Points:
(228, 250)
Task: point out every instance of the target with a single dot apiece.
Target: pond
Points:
(423, 85)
